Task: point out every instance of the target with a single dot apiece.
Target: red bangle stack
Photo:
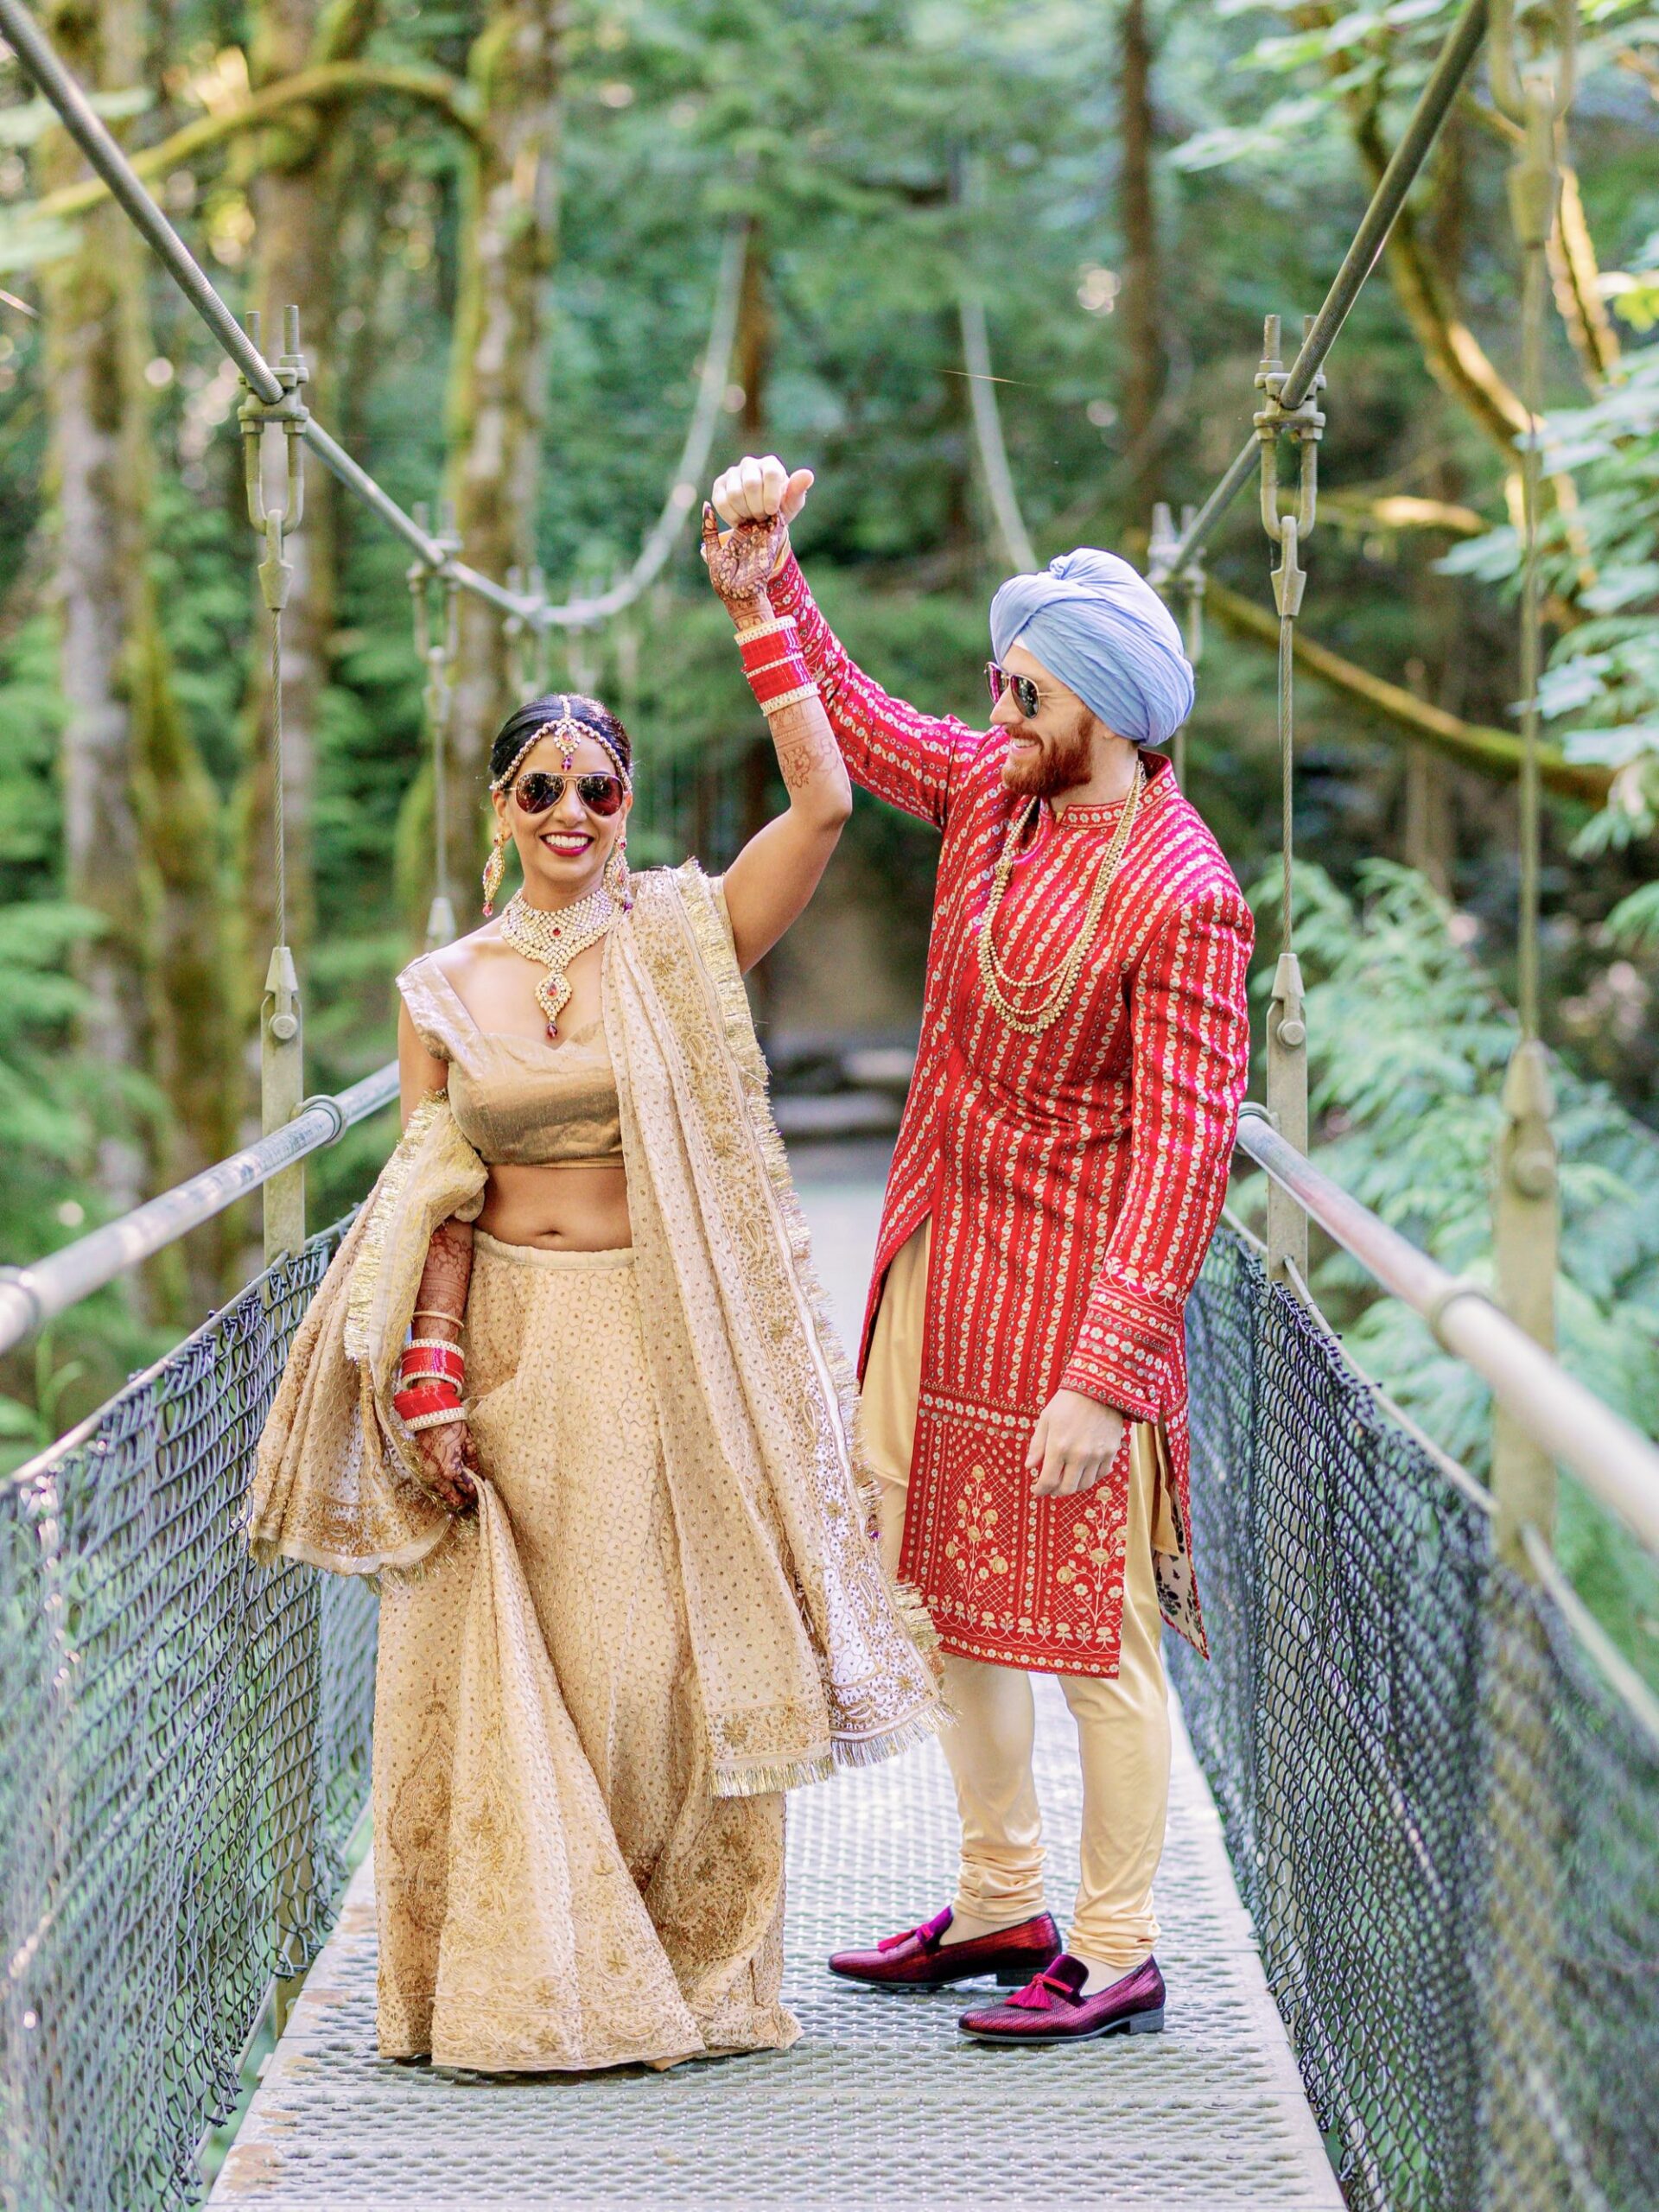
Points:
(432, 1372)
(433, 1359)
(432, 1398)
(778, 675)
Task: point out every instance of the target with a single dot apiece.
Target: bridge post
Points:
(1286, 1021)
(436, 648)
(282, 1087)
(282, 1040)
(1535, 96)
(1526, 1235)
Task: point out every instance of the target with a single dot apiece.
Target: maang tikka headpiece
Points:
(568, 733)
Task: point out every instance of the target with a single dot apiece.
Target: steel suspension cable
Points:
(87, 127)
(1433, 105)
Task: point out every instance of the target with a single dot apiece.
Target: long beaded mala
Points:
(1061, 980)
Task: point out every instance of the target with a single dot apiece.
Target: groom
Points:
(1060, 1167)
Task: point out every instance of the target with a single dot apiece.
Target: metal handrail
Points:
(1614, 1462)
(31, 1296)
(90, 132)
(1433, 104)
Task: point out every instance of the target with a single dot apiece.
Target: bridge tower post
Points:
(282, 1036)
(1286, 1021)
(1535, 96)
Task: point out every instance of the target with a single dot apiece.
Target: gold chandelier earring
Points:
(618, 881)
(495, 868)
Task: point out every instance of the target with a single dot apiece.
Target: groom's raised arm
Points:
(911, 759)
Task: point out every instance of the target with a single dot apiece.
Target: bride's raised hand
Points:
(740, 562)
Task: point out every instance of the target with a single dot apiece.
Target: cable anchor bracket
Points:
(274, 524)
(1305, 423)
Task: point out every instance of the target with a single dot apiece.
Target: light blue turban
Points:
(1105, 631)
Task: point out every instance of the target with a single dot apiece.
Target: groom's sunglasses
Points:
(537, 790)
(1026, 697)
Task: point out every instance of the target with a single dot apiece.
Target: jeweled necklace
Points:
(1062, 982)
(554, 937)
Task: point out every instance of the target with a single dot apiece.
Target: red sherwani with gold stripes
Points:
(1074, 1178)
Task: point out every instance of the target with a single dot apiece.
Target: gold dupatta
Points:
(335, 1478)
(805, 1654)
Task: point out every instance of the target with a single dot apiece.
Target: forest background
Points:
(502, 221)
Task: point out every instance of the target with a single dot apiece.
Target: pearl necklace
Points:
(555, 936)
(1062, 980)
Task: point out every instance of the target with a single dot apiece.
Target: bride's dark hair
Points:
(523, 722)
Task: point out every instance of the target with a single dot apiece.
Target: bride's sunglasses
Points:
(1026, 697)
(538, 789)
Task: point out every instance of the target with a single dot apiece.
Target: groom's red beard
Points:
(1054, 764)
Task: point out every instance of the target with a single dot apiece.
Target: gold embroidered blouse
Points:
(519, 1101)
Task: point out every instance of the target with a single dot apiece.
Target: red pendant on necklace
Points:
(552, 1028)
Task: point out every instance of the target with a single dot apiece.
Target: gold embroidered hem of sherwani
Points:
(556, 1886)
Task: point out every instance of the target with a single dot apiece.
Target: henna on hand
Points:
(448, 1456)
(449, 1464)
(740, 564)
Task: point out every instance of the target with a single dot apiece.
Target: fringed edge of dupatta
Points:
(739, 1779)
(711, 933)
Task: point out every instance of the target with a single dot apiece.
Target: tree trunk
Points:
(1143, 364)
(83, 298)
(295, 193)
(142, 823)
(498, 366)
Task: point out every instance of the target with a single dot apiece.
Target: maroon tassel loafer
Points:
(1052, 2007)
(920, 1960)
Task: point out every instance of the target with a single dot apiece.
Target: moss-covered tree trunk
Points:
(1143, 360)
(83, 299)
(298, 172)
(143, 824)
(498, 369)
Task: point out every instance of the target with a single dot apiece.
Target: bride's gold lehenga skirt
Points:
(588, 1901)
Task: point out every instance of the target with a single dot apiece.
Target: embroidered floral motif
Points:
(973, 1550)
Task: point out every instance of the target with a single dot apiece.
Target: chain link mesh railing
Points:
(1443, 1817)
(184, 1754)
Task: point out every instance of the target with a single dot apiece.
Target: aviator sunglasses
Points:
(1026, 697)
(538, 789)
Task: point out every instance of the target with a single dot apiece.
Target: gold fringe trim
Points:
(704, 906)
(872, 1750)
(761, 1780)
(382, 1205)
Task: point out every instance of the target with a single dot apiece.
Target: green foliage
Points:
(1408, 1040)
(836, 128)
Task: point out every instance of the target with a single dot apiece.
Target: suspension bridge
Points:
(1413, 1882)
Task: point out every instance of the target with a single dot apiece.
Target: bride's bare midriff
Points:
(562, 1209)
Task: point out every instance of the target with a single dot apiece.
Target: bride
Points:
(568, 1390)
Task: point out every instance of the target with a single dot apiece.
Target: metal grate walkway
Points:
(881, 2103)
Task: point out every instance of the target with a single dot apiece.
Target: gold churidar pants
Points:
(1122, 1722)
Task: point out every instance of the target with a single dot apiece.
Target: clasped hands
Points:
(759, 498)
(1074, 1441)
